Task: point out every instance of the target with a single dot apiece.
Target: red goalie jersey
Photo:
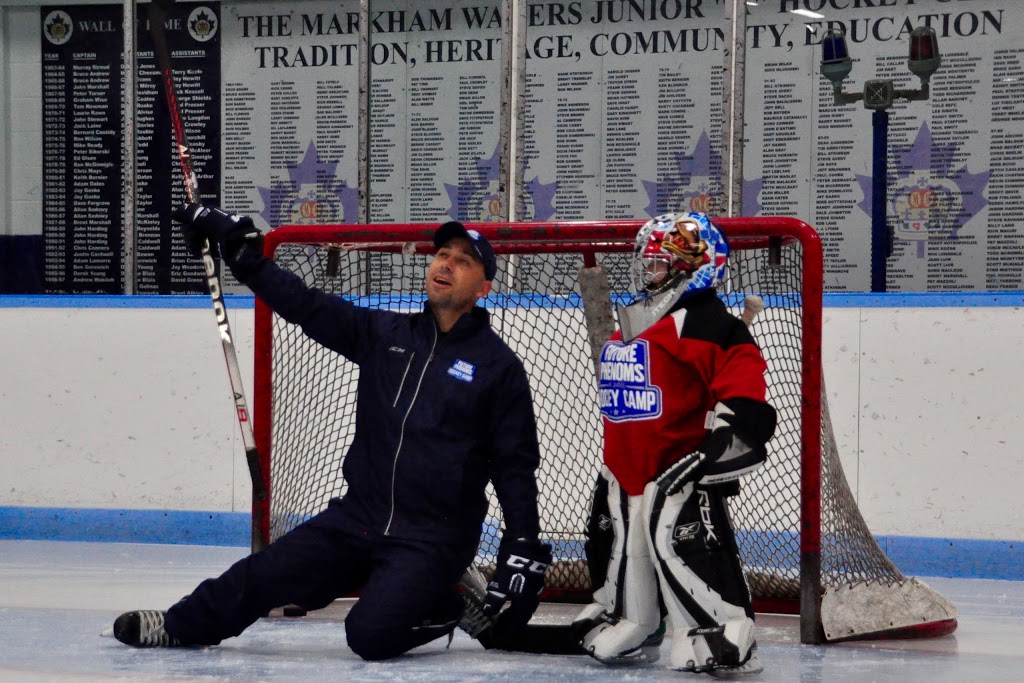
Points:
(655, 392)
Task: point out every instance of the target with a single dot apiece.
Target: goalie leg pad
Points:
(606, 536)
(600, 532)
(701, 578)
(631, 630)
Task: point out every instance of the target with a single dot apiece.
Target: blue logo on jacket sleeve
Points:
(460, 369)
(624, 389)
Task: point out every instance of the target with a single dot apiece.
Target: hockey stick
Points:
(752, 307)
(157, 16)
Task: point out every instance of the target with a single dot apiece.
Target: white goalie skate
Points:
(724, 652)
(616, 641)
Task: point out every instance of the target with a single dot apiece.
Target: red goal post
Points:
(804, 543)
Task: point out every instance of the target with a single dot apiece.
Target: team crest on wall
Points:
(57, 27)
(477, 200)
(927, 198)
(695, 185)
(313, 194)
(202, 24)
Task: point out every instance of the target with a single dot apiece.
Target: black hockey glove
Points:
(235, 237)
(519, 579)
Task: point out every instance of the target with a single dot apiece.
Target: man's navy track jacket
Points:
(437, 414)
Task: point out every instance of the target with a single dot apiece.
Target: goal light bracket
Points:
(878, 95)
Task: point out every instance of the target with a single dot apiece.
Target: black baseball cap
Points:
(481, 246)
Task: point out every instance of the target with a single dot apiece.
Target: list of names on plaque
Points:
(332, 119)
(622, 131)
(238, 144)
(385, 194)
(285, 148)
(1006, 183)
(153, 173)
(952, 246)
(833, 199)
(578, 123)
(83, 136)
(785, 118)
(192, 33)
(426, 148)
(290, 81)
(476, 125)
(675, 133)
(82, 156)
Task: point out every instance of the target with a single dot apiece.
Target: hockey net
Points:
(804, 544)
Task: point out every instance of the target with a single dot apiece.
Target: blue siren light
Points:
(836, 63)
(833, 47)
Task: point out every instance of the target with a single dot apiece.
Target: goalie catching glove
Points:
(234, 237)
(518, 579)
(735, 446)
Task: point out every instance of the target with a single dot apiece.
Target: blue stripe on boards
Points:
(926, 300)
(915, 556)
(171, 527)
(967, 558)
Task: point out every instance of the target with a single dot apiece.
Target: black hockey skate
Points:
(144, 628)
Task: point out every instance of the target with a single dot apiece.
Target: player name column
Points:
(785, 117)
(239, 148)
(1005, 250)
(622, 132)
(956, 96)
(385, 158)
(426, 150)
(577, 123)
(835, 184)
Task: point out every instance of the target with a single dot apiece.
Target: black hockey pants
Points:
(407, 594)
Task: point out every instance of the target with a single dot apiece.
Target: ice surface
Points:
(57, 597)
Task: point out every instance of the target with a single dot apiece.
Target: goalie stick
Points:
(752, 307)
(157, 16)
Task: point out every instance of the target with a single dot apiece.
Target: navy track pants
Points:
(407, 588)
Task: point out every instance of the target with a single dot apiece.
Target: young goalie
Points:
(683, 401)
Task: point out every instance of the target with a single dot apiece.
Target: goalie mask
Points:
(675, 255)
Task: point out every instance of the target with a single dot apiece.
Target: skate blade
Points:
(107, 633)
(751, 667)
(642, 655)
